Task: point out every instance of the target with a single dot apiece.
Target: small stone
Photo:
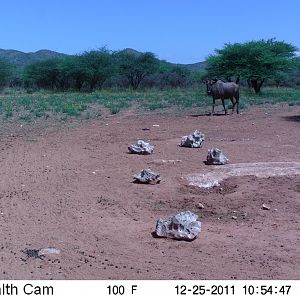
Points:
(200, 205)
(141, 147)
(216, 157)
(193, 140)
(266, 207)
(234, 217)
(147, 176)
(155, 125)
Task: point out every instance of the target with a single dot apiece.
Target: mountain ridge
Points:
(22, 59)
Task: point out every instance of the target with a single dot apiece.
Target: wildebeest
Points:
(223, 90)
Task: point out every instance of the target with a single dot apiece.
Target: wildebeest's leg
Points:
(213, 106)
(237, 101)
(233, 103)
(223, 102)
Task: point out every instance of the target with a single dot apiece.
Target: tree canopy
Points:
(255, 61)
(136, 66)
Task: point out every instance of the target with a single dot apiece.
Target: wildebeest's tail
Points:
(237, 80)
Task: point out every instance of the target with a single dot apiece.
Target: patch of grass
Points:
(116, 105)
(114, 109)
(26, 118)
(75, 104)
(8, 110)
(73, 109)
(272, 96)
(154, 105)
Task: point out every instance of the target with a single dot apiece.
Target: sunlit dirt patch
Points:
(211, 178)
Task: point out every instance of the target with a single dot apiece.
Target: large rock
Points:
(147, 176)
(216, 157)
(193, 140)
(183, 226)
(141, 147)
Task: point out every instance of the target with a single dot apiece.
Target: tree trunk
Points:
(249, 83)
(257, 85)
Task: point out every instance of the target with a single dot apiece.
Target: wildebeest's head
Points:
(209, 83)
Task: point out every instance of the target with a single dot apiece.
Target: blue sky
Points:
(180, 31)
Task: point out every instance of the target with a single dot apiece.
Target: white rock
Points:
(266, 207)
(141, 147)
(193, 140)
(216, 157)
(147, 176)
(200, 205)
(183, 226)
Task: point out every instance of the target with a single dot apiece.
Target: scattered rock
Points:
(216, 157)
(234, 217)
(141, 147)
(183, 226)
(155, 125)
(147, 176)
(193, 140)
(200, 205)
(47, 251)
(266, 207)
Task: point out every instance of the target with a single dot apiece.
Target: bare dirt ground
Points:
(71, 188)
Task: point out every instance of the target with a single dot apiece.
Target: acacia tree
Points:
(136, 66)
(72, 72)
(97, 66)
(42, 74)
(90, 68)
(255, 61)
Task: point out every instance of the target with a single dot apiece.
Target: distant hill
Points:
(196, 66)
(193, 67)
(131, 51)
(22, 59)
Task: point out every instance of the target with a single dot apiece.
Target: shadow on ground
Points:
(292, 118)
(208, 114)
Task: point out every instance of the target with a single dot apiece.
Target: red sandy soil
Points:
(72, 188)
